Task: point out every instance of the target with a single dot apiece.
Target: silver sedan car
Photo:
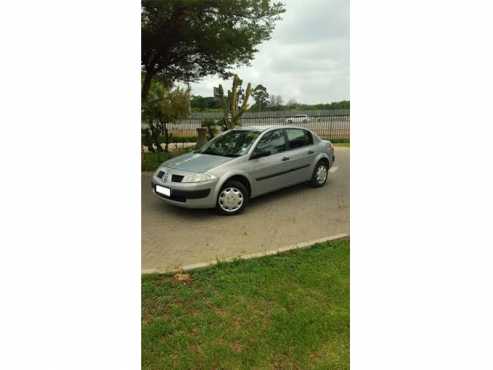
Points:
(241, 164)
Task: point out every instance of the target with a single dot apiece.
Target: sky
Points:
(307, 58)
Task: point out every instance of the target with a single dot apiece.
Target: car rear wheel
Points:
(320, 173)
(232, 198)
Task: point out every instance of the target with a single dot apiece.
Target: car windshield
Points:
(234, 143)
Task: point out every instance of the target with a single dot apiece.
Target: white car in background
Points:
(299, 118)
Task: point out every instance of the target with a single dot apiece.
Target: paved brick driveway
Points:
(173, 236)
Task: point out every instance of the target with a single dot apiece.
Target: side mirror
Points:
(259, 154)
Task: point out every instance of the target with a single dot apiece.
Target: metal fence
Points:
(330, 124)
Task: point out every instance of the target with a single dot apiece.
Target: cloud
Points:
(307, 58)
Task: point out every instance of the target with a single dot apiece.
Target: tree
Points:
(261, 97)
(235, 104)
(202, 103)
(344, 104)
(163, 106)
(276, 101)
(184, 40)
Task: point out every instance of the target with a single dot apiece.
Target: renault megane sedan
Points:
(241, 164)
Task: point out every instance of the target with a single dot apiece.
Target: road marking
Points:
(333, 169)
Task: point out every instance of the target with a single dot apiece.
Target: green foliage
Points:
(179, 139)
(200, 103)
(293, 105)
(164, 105)
(287, 311)
(274, 103)
(344, 104)
(339, 141)
(184, 40)
(210, 124)
(235, 104)
(261, 97)
(151, 161)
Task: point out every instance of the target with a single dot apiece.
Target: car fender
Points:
(319, 157)
(229, 174)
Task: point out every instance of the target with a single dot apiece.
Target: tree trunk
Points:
(155, 137)
(147, 139)
(147, 84)
(166, 138)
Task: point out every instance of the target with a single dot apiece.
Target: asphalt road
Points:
(173, 237)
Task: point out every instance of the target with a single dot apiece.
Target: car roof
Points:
(252, 128)
(268, 127)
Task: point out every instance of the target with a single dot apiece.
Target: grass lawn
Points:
(288, 311)
(346, 145)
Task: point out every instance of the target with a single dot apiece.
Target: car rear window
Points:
(298, 138)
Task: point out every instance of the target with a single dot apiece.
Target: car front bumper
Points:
(188, 195)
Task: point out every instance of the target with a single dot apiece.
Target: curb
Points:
(195, 266)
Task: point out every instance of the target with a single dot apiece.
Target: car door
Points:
(270, 172)
(301, 154)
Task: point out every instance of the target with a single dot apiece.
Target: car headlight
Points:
(197, 177)
(159, 172)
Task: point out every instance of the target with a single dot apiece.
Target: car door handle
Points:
(310, 152)
(285, 158)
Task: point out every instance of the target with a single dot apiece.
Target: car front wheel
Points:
(320, 173)
(232, 198)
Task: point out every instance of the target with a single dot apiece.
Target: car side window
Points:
(273, 142)
(298, 138)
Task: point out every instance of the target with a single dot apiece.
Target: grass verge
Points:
(285, 311)
(337, 141)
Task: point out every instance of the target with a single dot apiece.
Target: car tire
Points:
(232, 192)
(320, 174)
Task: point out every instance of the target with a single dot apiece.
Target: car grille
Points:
(176, 178)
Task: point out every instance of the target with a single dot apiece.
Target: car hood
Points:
(196, 162)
